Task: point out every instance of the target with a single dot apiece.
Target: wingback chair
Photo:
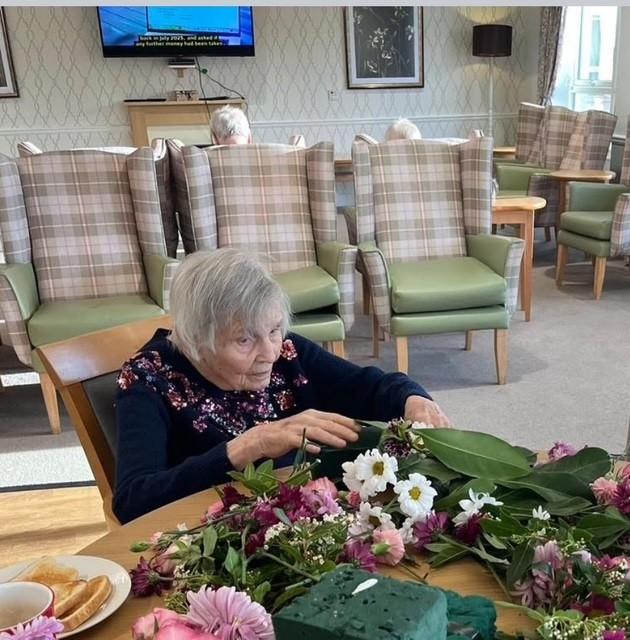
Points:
(164, 182)
(278, 201)
(597, 221)
(84, 246)
(565, 139)
(423, 226)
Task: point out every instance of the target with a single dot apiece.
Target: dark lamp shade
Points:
(492, 40)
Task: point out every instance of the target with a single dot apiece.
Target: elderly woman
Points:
(229, 125)
(228, 386)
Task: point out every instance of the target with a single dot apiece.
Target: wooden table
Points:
(520, 212)
(465, 576)
(576, 175)
(504, 153)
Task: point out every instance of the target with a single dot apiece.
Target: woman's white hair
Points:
(402, 129)
(216, 291)
(228, 122)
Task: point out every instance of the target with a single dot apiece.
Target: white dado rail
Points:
(187, 120)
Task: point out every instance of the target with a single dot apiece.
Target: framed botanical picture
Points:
(384, 47)
(8, 84)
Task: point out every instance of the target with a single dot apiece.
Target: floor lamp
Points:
(492, 41)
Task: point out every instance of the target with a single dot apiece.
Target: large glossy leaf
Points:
(521, 561)
(605, 525)
(552, 486)
(587, 465)
(445, 552)
(450, 501)
(567, 506)
(427, 467)
(504, 526)
(479, 455)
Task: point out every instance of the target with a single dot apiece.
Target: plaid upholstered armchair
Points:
(84, 246)
(278, 201)
(564, 139)
(423, 225)
(163, 174)
(597, 221)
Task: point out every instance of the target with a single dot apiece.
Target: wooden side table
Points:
(576, 175)
(520, 212)
(504, 153)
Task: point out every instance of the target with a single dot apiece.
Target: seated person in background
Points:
(229, 125)
(229, 386)
(402, 129)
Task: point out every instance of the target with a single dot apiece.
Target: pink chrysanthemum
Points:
(229, 614)
(621, 499)
(430, 529)
(359, 553)
(41, 628)
(604, 490)
(618, 634)
(560, 450)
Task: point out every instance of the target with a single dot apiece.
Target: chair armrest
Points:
(350, 215)
(512, 177)
(19, 300)
(378, 281)
(503, 255)
(159, 271)
(620, 235)
(586, 196)
(338, 260)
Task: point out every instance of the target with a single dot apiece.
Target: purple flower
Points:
(229, 614)
(429, 530)
(41, 628)
(560, 450)
(320, 502)
(469, 531)
(549, 554)
(619, 634)
(145, 581)
(598, 606)
(359, 553)
(621, 499)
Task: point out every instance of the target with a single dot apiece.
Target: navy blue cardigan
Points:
(173, 424)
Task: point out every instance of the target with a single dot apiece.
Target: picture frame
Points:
(8, 82)
(384, 47)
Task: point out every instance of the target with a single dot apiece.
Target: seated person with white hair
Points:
(402, 129)
(229, 125)
(229, 386)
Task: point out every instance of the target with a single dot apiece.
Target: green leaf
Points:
(494, 541)
(427, 467)
(445, 552)
(567, 506)
(265, 468)
(232, 563)
(289, 594)
(139, 547)
(450, 501)
(504, 527)
(282, 516)
(531, 456)
(488, 557)
(261, 591)
(587, 465)
(521, 561)
(475, 454)
(605, 525)
(551, 486)
(210, 538)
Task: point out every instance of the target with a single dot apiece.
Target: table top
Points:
(584, 175)
(530, 203)
(465, 576)
(504, 150)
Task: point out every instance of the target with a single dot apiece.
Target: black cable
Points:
(205, 101)
(204, 71)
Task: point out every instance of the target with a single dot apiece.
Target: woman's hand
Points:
(419, 409)
(274, 439)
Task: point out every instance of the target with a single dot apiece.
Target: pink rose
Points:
(181, 631)
(145, 627)
(322, 485)
(164, 563)
(604, 490)
(388, 546)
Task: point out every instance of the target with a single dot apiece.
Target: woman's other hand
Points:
(419, 409)
(275, 439)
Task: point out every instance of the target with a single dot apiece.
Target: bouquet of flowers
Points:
(554, 533)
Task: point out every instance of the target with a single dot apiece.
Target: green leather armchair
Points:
(423, 226)
(85, 250)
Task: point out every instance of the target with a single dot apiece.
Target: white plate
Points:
(88, 567)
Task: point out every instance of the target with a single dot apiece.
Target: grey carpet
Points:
(569, 378)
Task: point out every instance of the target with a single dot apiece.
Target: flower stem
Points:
(266, 554)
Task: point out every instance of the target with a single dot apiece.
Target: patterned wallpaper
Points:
(71, 96)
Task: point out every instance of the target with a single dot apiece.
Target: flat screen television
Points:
(176, 31)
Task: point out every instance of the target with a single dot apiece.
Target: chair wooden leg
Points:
(366, 295)
(50, 400)
(561, 263)
(501, 354)
(547, 234)
(375, 337)
(402, 354)
(338, 348)
(469, 340)
(600, 273)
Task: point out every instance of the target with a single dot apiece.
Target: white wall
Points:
(622, 95)
(71, 96)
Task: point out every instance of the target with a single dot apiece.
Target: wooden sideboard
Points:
(163, 119)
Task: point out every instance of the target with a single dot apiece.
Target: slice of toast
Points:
(68, 595)
(47, 571)
(96, 594)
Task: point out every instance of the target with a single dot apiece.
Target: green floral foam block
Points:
(351, 604)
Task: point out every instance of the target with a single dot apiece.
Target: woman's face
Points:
(241, 361)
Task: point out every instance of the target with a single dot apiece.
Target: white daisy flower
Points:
(375, 470)
(415, 496)
(473, 506)
(406, 531)
(540, 514)
(370, 518)
(350, 476)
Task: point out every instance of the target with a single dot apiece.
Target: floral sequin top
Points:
(173, 424)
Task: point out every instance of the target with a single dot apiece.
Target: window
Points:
(585, 77)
